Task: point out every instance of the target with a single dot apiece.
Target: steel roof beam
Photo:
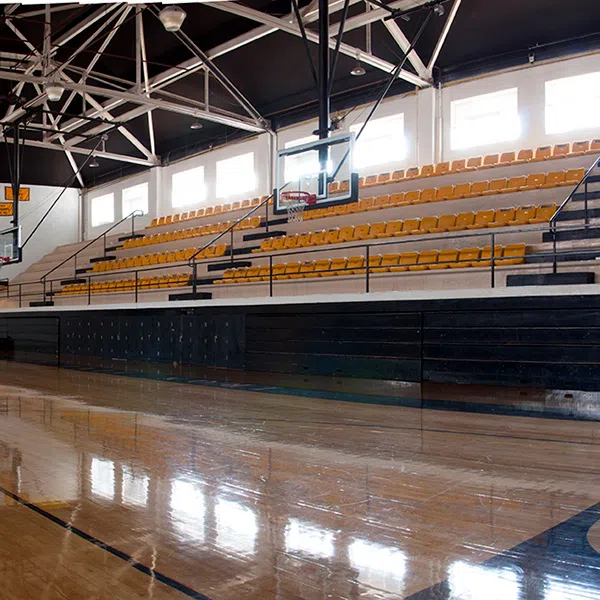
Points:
(405, 45)
(443, 36)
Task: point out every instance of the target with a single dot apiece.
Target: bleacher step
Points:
(204, 281)
(113, 248)
(263, 235)
(573, 234)
(190, 296)
(577, 278)
(593, 179)
(102, 259)
(83, 270)
(72, 281)
(131, 236)
(570, 257)
(277, 221)
(41, 303)
(592, 195)
(241, 250)
(221, 266)
(579, 214)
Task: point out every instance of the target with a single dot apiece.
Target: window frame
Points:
(97, 199)
(145, 210)
(201, 183)
(232, 192)
(392, 142)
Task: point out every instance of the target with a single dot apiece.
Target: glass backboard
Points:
(10, 241)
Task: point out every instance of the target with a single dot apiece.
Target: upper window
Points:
(103, 210)
(486, 119)
(187, 187)
(135, 198)
(381, 142)
(236, 175)
(298, 165)
(572, 103)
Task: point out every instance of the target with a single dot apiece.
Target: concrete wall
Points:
(427, 132)
(62, 226)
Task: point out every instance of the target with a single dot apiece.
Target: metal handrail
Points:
(132, 216)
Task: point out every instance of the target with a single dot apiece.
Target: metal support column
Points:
(324, 123)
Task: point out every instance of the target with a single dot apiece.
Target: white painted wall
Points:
(62, 226)
(427, 132)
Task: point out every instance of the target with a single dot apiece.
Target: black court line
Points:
(172, 583)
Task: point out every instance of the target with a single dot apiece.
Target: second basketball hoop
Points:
(294, 202)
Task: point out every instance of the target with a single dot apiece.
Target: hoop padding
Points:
(294, 202)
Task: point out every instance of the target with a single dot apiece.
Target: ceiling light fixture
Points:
(439, 10)
(196, 125)
(172, 17)
(358, 69)
(54, 90)
(94, 164)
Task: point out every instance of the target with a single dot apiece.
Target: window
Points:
(381, 142)
(103, 210)
(572, 103)
(135, 198)
(487, 119)
(301, 164)
(188, 187)
(236, 175)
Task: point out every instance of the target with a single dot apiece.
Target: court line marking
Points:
(172, 583)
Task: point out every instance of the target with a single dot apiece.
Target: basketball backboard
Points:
(321, 168)
(10, 241)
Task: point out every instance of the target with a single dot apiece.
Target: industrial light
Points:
(94, 164)
(358, 69)
(439, 10)
(196, 125)
(172, 17)
(54, 90)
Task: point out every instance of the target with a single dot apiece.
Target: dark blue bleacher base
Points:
(549, 341)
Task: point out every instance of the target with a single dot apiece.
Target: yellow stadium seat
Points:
(341, 209)
(154, 222)
(220, 249)
(425, 260)
(318, 238)
(574, 176)
(474, 163)
(413, 197)
(201, 212)
(412, 173)
(463, 220)
(554, 179)
(491, 160)
(444, 224)
(514, 254)
(306, 267)
(427, 171)
(543, 153)
(445, 258)
(397, 199)
(503, 217)
(507, 158)
(445, 192)
(467, 257)
(332, 236)
(458, 165)
(374, 261)
(252, 274)
(523, 215)
(497, 186)
(391, 228)
(514, 184)
(380, 202)
(387, 261)
(427, 195)
(535, 181)
(304, 240)
(408, 227)
(543, 213)
(337, 267)
(361, 232)
(321, 265)
(279, 271)
(365, 204)
(426, 225)
(279, 243)
(594, 146)
(376, 230)
(345, 234)
(354, 263)
(240, 275)
(209, 210)
(486, 256)
(478, 188)
(334, 187)
(397, 175)
(482, 218)
(579, 148)
(442, 168)
(264, 273)
(462, 190)
(524, 156)
(291, 242)
(561, 150)
(361, 182)
(292, 271)
(352, 208)
(371, 180)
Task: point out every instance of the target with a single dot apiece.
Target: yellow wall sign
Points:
(24, 194)
(6, 209)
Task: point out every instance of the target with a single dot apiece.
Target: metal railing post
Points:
(493, 260)
(270, 276)
(194, 276)
(585, 202)
(20, 295)
(136, 287)
(554, 257)
(231, 246)
(368, 259)
(89, 291)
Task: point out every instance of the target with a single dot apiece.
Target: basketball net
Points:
(295, 202)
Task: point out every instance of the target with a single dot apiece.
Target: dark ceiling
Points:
(273, 72)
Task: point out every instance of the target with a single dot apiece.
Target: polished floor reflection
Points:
(119, 487)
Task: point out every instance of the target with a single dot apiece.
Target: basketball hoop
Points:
(4, 260)
(295, 202)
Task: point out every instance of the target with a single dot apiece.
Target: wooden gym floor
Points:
(124, 487)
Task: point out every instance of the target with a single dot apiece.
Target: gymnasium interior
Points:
(298, 300)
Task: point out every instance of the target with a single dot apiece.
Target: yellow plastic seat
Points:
(463, 220)
(307, 267)
(365, 204)
(482, 218)
(574, 176)
(371, 181)
(346, 234)
(425, 260)
(380, 202)
(535, 181)
(458, 165)
(445, 259)
(486, 256)
(594, 146)
(445, 192)
(240, 275)
(374, 261)
(321, 265)
(412, 173)
(264, 272)
(523, 215)
(252, 274)
(491, 160)
(266, 245)
(220, 249)
(376, 230)
(442, 168)
(408, 227)
(524, 156)
(236, 205)
(462, 190)
(413, 197)
(426, 225)
(292, 270)
(291, 242)
(354, 263)
(341, 209)
(467, 257)
(334, 187)
(391, 228)
(503, 217)
(427, 195)
(543, 153)
(580, 148)
(405, 260)
(514, 184)
(427, 171)
(474, 163)
(397, 176)
(318, 238)
(303, 240)
(444, 223)
(387, 261)
(332, 236)
(554, 179)
(497, 186)
(361, 232)
(543, 213)
(561, 150)
(337, 267)
(478, 188)
(514, 254)
(507, 158)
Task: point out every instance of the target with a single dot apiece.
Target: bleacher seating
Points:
(126, 285)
